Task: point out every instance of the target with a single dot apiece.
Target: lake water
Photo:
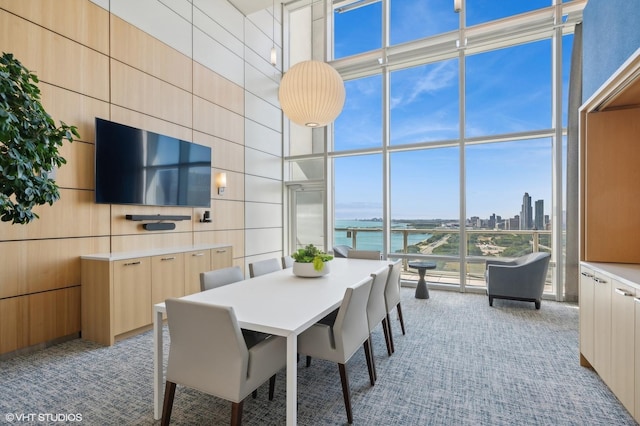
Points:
(373, 240)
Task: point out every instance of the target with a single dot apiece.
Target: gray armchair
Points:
(518, 279)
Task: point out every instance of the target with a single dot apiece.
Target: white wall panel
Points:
(157, 20)
(262, 241)
(258, 39)
(218, 58)
(261, 111)
(181, 7)
(214, 30)
(263, 215)
(262, 62)
(262, 189)
(262, 138)
(224, 14)
(261, 85)
(259, 163)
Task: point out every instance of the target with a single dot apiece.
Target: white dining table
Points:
(277, 303)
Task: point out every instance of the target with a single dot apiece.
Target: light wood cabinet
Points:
(637, 355)
(611, 176)
(167, 277)
(120, 289)
(623, 344)
(602, 325)
(131, 294)
(610, 328)
(221, 257)
(196, 262)
(587, 307)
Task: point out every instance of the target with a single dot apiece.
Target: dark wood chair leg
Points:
(169, 393)
(236, 413)
(272, 386)
(308, 361)
(387, 341)
(399, 309)
(393, 349)
(367, 355)
(254, 394)
(371, 358)
(345, 391)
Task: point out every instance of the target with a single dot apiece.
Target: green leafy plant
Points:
(312, 254)
(29, 141)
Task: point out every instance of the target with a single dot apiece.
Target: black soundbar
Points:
(159, 226)
(139, 217)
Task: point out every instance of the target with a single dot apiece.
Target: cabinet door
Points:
(131, 294)
(167, 277)
(195, 262)
(586, 315)
(622, 344)
(602, 326)
(221, 257)
(611, 176)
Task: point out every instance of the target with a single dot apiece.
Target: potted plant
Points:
(29, 141)
(310, 262)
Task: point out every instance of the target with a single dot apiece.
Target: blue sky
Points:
(507, 91)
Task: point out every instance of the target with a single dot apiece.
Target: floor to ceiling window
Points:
(445, 147)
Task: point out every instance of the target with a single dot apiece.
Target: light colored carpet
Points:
(460, 363)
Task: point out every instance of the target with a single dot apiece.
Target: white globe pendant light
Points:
(311, 93)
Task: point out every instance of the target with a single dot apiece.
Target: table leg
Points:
(292, 378)
(422, 291)
(157, 364)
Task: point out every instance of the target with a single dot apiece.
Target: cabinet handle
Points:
(636, 299)
(197, 254)
(132, 263)
(623, 292)
(221, 251)
(599, 280)
(586, 274)
(169, 258)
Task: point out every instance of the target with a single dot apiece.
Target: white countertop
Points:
(108, 257)
(627, 273)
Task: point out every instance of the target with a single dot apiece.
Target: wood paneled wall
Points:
(94, 64)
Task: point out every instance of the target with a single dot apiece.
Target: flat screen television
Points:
(134, 166)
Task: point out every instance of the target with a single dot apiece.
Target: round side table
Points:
(422, 291)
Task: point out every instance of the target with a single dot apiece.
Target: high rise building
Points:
(539, 218)
(526, 212)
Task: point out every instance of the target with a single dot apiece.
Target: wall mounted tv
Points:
(135, 166)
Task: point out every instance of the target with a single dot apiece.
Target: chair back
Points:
(287, 262)
(364, 254)
(213, 359)
(351, 330)
(376, 306)
(341, 251)
(220, 277)
(262, 267)
(392, 289)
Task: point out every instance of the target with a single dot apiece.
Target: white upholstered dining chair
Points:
(337, 337)
(262, 267)
(220, 277)
(364, 254)
(377, 311)
(392, 298)
(287, 262)
(208, 353)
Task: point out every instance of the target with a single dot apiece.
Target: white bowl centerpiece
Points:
(311, 262)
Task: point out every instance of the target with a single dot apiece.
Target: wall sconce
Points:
(221, 182)
(457, 5)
